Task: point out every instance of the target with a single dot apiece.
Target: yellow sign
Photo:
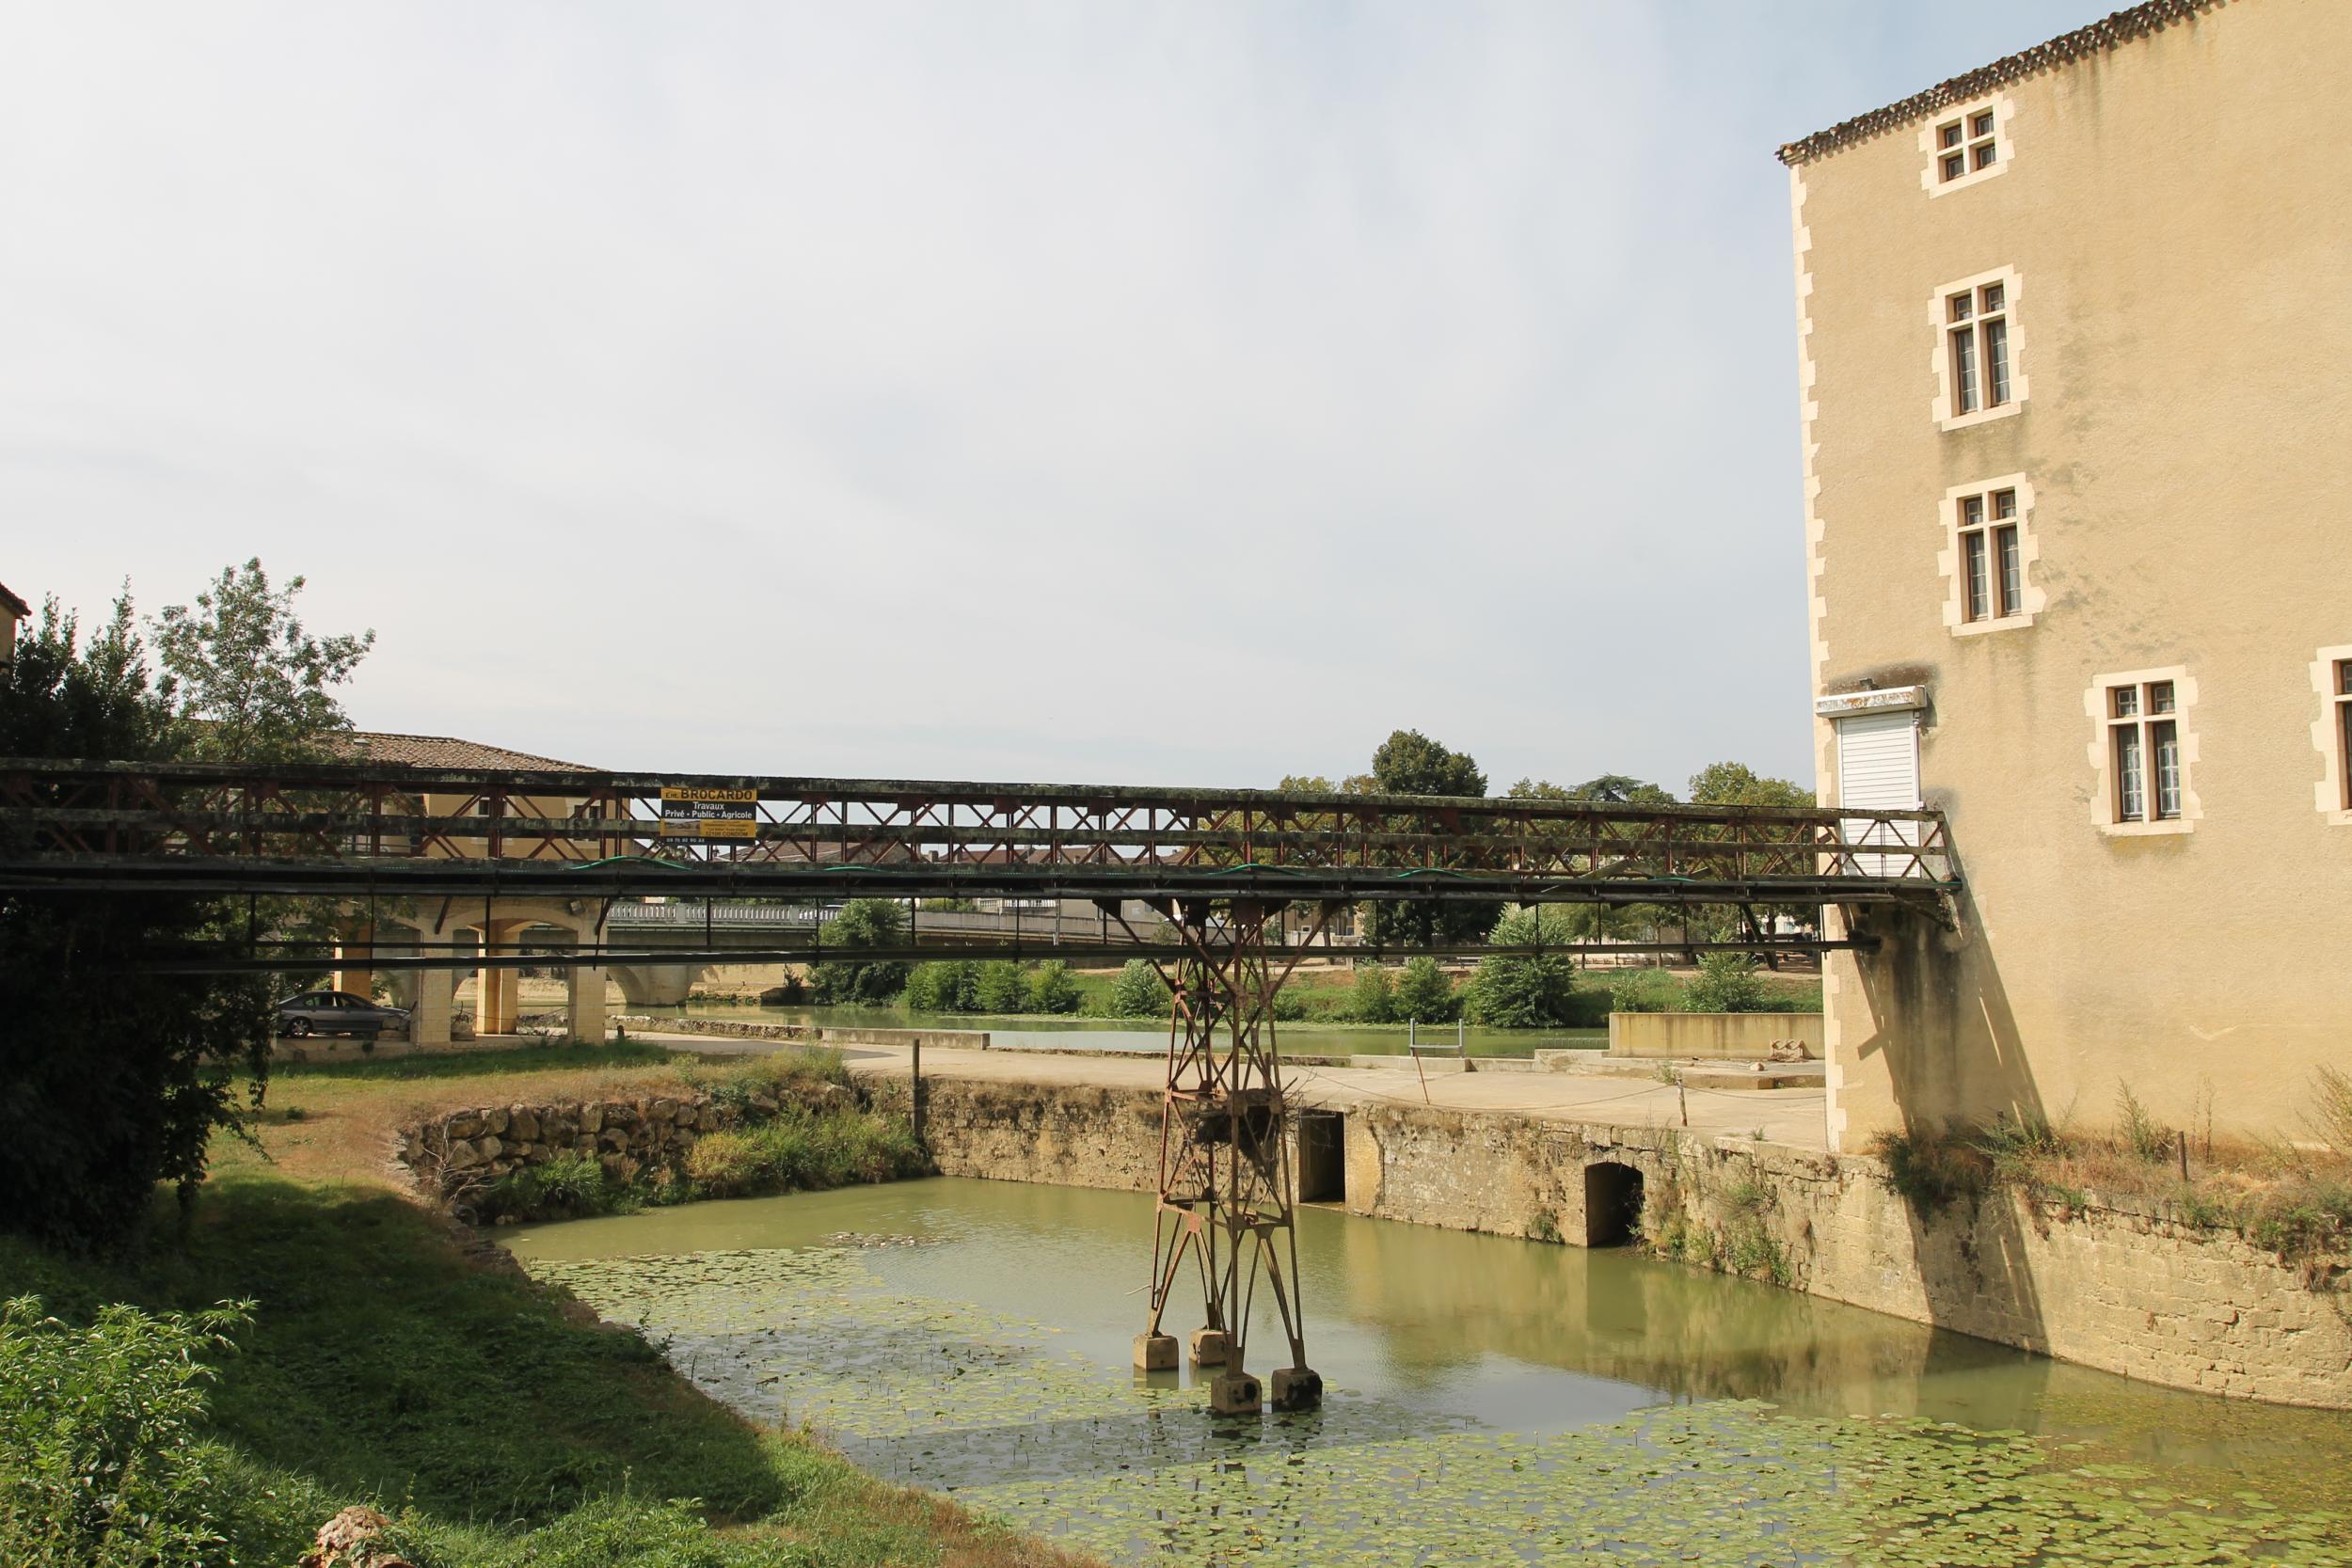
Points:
(688, 811)
(709, 827)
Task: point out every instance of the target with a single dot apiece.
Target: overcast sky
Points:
(1186, 393)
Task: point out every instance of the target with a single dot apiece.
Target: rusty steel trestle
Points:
(1226, 1198)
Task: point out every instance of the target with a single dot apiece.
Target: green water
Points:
(1147, 1035)
(1489, 1400)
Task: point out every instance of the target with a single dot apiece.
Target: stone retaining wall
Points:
(458, 1151)
(2125, 1287)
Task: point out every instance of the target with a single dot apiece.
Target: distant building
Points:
(2074, 339)
(12, 610)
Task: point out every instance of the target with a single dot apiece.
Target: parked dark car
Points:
(337, 1012)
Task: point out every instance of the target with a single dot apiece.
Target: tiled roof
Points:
(14, 605)
(436, 750)
(2124, 27)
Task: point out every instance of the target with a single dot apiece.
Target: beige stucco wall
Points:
(1737, 1037)
(2174, 215)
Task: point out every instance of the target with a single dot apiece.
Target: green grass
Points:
(486, 1063)
(383, 1366)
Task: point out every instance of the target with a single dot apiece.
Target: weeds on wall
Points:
(2290, 1198)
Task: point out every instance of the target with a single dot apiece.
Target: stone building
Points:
(2074, 333)
(497, 927)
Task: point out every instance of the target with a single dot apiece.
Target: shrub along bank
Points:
(370, 1360)
(374, 1355)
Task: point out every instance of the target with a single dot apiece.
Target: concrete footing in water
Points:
(1155, 1353)
(1296, 1388)
(1235, 1393)
(1211, 1346)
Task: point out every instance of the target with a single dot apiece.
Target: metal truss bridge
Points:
(356, 831)
(1224, 870)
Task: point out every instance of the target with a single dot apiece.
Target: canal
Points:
(1489, 1400)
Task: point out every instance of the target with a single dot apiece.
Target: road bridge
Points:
(1220, 868)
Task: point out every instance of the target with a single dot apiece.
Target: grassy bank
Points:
(390, 1359)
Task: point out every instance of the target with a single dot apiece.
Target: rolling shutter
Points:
(1878, 770)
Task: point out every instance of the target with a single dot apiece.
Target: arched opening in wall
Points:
(1322, 1157)
(1613, 1204)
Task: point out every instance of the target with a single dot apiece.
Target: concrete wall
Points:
(2182, 314)
(1739, 1036)
(2127, 1289)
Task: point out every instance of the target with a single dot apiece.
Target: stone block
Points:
(1235, 1393)
(1296, 1388)
(592, 1118)
(495, 1120)
(1210, 1347)
(522, 1124)
(1155, 1353)
(461, 1155)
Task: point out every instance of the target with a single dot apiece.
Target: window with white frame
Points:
(2146, 773)
(1993, 576)
(2339, 730)
(1978, 349)
(1966, 146)
(1976, 327)
(1966, 143)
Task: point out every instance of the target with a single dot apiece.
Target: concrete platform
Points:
(1691, 1072)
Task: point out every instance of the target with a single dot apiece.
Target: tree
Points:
(1052, 989)
(1140, 992)
(1002, 989)
(861, 982)
(1514, 991)
(116, 1076)
(1410, 763)
(244, 674)
(1622, 789)
(1424, 994)
(1735, 783)
(1374, 1000)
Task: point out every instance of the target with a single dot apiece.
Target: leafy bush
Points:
(1726, 983)
(1373, 997)
(98, 1463)
(1425, 994)
(800, 1150)
(1644, 990)
(1053, 990)
(1140, 992)
(1510, 992)
(862, 923)
(724, 1165)
(943, 986)
(568, 1186)
(1002, 988)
